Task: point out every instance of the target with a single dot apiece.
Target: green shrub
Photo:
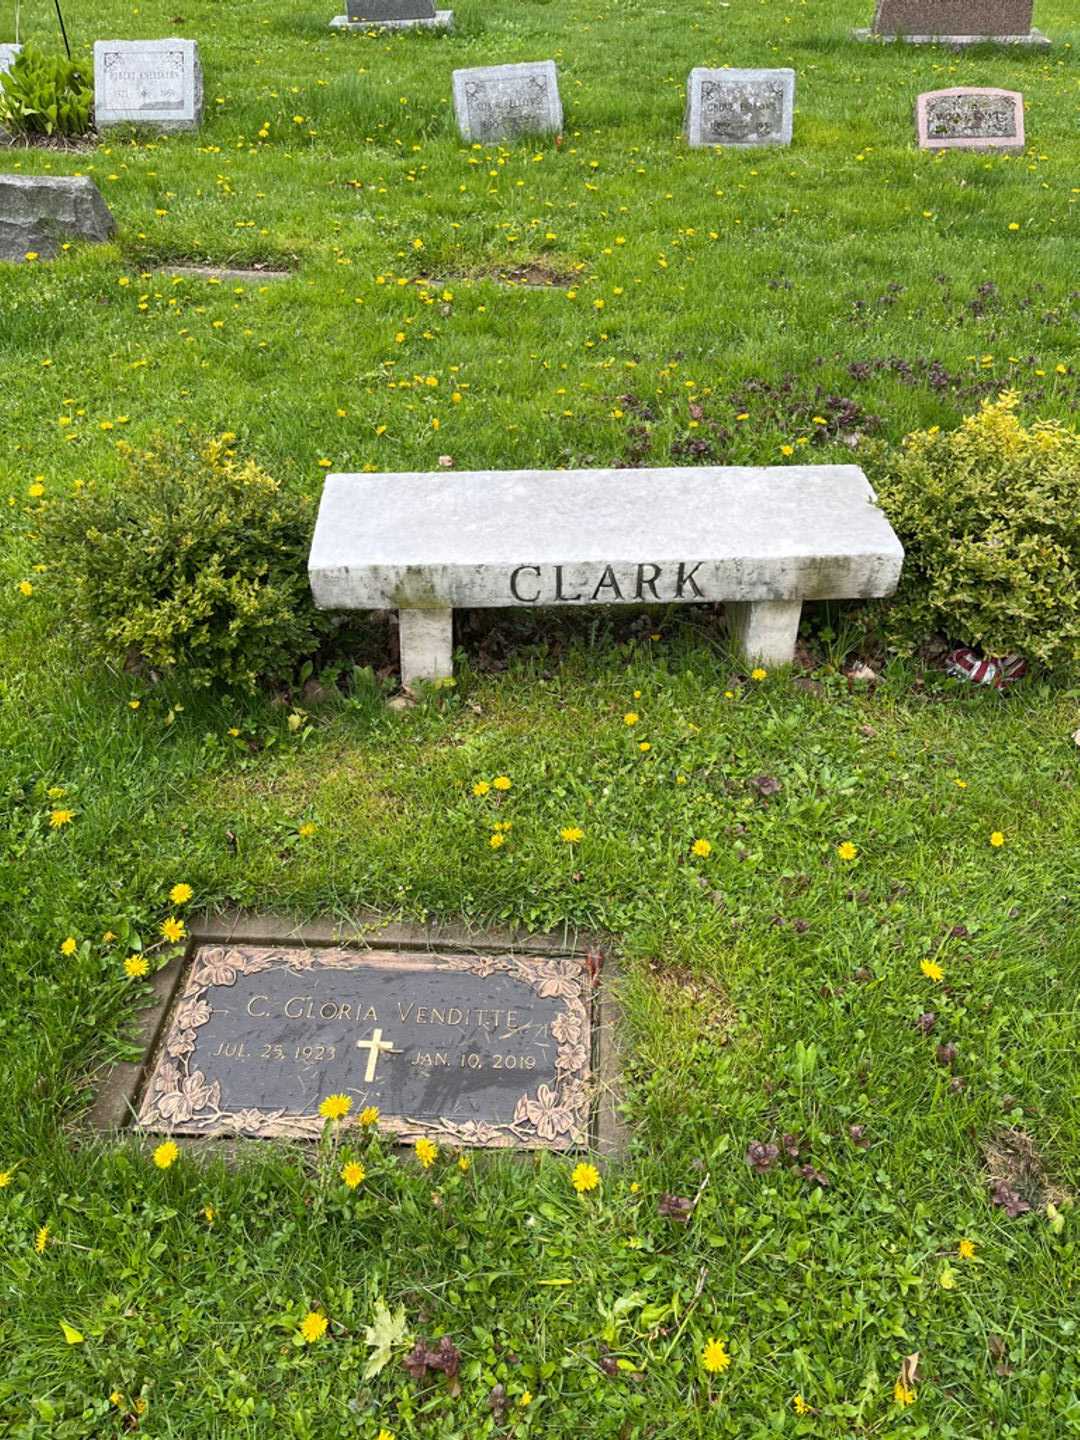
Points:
(989, 515)
(46, 94)
(191, 560)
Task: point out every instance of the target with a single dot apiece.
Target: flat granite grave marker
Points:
(739, 107)
(955, 22)
(504, 102)
(970, 119)
(148, 82)
(760, 539)
(479, 1049)
(7, 57)
(393, 15)
(38, 213)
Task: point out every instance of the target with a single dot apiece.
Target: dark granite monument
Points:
(955, 22)
(393, 15)
(487, 1050)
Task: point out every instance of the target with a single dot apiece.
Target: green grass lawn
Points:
(769, 988)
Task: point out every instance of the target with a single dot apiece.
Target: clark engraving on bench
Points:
(544, 584)
(472, 1050)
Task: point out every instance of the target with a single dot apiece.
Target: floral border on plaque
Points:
(180, 1100)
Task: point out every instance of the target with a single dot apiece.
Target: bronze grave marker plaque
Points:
(478, 1050)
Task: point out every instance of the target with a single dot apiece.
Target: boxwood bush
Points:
(191, 560)
(989, 515)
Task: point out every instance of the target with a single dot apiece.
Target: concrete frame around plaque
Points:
(477, 91)
(952, 28)
(1002, 113)
(179, 103)
(705, 91)
(424, 16)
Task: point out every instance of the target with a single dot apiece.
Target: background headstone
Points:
(379, 10)
(971, 119)
(740, 107)
(503, 102)
(7, 56)
(148, 82)
(956, 21)
(39, 212)
(394, 15)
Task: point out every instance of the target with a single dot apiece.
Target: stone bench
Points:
(760, 540)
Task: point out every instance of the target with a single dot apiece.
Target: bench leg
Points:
(764, 630)
(427, 645)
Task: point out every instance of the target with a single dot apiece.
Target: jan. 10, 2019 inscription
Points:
(484, 1050)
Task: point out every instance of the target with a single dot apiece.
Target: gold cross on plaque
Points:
(375, 1047)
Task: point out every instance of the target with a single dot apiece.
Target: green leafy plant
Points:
(45, 94)
(191, 560)
(988, 517)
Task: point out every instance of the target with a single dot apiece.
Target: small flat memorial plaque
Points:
(739, 107)
(477, 1050)
(971, 119)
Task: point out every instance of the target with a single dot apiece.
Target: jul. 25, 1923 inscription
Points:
(484, 1050)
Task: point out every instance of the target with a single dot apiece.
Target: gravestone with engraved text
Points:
(148, 82)
(471, 1049)
(971, 119)
(506, 102)
(739, 107)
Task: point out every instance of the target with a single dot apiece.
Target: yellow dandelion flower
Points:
(5, 1179)
(335, 1107)
(172, 929)
(481, 787)
(313, 1326)
(630, 718)
(571, 834)
(464, 1164)
(702, 848)
(166, 1154)
(903, 1394)
(932, 970)
(715, 1358)
(369, 1115)
(966, 1250)
(497, 839)
(426, 1152)
(306, 830)
(584, 1177)
(759, 674)
(997, 839)
(60, 817)
(136, 966)
(352, 1174)
(41, 1239)
(209, 1214)
(799, 1405)
(25, 588)
(847, 851)
(69, 946)
(384, 1435)
(502, 782)
(181, 894)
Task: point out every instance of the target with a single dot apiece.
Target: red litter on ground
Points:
(994, 670)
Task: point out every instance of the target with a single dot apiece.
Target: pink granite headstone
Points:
(970, 119)
(988, 18)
